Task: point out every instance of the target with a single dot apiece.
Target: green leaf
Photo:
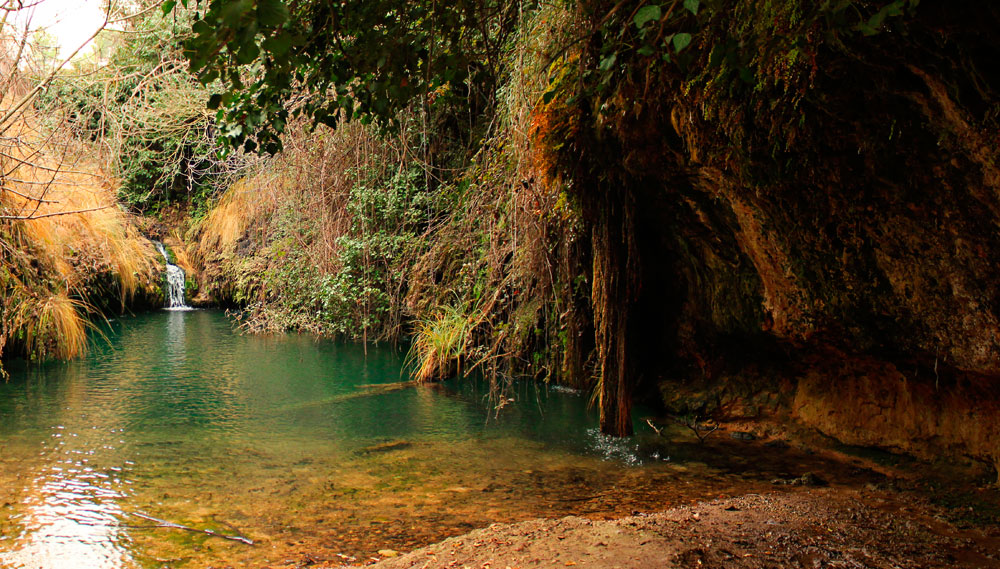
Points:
(208, 76)
(247, 53)
(645, 50)
(692, 6)
(272, 13)
(681, 41)
(202, 28)
(214, 101)
(647, 14)
(278, 45)
(168, 6)
(876, 20)
(232, 12)
(232, 130)
(607, 62)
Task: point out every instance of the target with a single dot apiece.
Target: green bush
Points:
(386, 220)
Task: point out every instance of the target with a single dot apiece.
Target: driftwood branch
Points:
(657, 430)
(689, 421)
(692, 423)
(172, 525)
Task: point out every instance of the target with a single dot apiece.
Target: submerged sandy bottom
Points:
(318, 454)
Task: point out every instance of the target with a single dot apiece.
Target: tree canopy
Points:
(356, 60)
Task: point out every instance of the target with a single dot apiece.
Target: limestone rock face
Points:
(850, 210)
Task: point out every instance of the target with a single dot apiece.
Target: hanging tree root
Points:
(172, 525)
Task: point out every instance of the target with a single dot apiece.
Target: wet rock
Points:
(743, 436)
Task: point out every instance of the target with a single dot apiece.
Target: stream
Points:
(306, 447)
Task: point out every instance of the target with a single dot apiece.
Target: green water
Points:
(282, 439)
(307, 448)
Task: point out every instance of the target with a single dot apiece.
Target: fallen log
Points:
(366, 390)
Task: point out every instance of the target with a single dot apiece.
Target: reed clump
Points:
(439, 344)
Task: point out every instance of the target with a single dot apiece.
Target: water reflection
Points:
(174, 344)
(70, 512)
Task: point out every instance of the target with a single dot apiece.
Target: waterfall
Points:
(175, 281)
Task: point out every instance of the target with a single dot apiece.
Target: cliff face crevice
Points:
(893, 265)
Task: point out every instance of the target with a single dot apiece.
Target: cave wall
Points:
(847, 203)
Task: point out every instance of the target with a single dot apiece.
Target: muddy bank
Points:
(821, 527)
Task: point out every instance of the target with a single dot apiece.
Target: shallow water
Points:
(303, 446)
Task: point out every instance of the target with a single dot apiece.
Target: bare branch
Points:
(54, 214)
(41, 84)
(27, 197)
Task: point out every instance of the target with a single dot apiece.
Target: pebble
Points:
(388, 553)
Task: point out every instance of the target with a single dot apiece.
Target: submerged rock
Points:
(385, 447)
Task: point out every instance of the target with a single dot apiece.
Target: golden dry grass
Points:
(51, 258)
(243, 203)
(53, 325)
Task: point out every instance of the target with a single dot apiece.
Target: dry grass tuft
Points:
(55, 264)
(54, 326)
(240, 206)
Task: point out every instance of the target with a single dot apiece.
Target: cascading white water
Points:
(175, 280)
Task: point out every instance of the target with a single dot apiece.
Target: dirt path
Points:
(807, 528)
